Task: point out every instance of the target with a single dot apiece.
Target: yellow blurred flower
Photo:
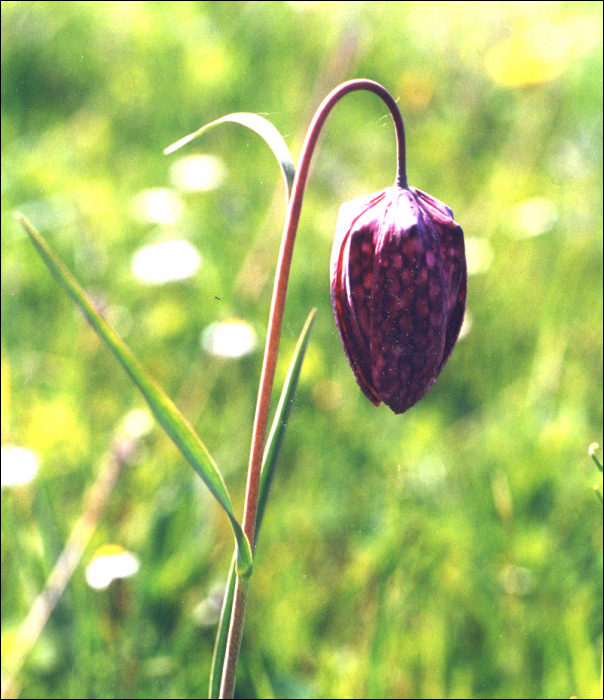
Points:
(53, 424)
(417, 90)
(541, 53)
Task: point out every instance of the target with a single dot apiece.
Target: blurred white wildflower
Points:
(110, 561)
(166, 262)
(19, 466)
(232, 338)
(136, 423)
(533, 217)
(157, 206)
(197, 173)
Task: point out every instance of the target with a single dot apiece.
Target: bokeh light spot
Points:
(534, 217)
(19, 466)
(233, 338)
(109, 562)
(198, 173)
(166, 262)
(466, 326)
(157, 206)
(479, 255)
(542, 53)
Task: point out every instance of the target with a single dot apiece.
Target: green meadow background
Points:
(451, 552)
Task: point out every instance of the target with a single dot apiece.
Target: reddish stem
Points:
(274, 333)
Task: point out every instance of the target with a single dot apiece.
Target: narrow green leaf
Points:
(277, 432)
(263, 128)
(269, 464)
(177, 427)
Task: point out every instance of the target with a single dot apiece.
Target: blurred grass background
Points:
(454, 551)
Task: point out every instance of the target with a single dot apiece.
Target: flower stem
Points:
(273, 336)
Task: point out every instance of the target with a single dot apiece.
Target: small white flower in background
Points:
(136, 423)
(198, 173)
(232, 338)
(479, 254)
(533, 218)
(166, 262)
(110, 561)
(157, 206)
(19, 466)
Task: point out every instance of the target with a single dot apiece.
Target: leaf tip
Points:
(244, 561)
(25, 223)
(181, 142)
(244, 568)
(593, 447)
(592, 453)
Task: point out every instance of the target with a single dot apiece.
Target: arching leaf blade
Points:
(263, 128)
(169, 417)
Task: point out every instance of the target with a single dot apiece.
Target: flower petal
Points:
(453, 252)
(354, 345)
(351, 263)
(408, 305)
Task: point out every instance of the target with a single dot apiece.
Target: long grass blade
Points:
(269, 464)
(263, 128)
(170, 418)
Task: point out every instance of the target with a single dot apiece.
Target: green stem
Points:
(273, 336)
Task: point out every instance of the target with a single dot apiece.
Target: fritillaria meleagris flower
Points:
(398, 289)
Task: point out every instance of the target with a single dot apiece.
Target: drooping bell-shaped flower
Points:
(398, 289)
